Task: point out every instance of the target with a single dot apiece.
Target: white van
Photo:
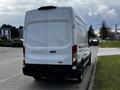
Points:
(55, 43)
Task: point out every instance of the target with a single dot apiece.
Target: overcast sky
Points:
(94, 11)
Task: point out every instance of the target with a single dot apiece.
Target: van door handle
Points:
(53, 51)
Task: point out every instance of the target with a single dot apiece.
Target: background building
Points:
(5, 32)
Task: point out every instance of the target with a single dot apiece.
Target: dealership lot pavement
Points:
(11, 77)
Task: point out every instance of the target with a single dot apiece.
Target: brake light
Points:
(23, 55)
(74, 54)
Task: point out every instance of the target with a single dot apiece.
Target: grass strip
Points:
(107, 73)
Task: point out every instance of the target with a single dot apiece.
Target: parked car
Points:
(94, 42)
(55, 43)
(17, 42)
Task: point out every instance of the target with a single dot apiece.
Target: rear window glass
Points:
(51, 34)
(36, 34)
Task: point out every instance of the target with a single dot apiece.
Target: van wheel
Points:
(37, 77)
(89, 62)
(80, 75)
(79, 78)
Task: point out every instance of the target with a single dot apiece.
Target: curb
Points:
(91, 83)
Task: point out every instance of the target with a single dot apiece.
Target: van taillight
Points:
(23, 55)
(74, 54)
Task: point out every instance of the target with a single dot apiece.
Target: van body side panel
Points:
(81, 40)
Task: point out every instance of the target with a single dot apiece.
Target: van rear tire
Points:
(80, 78)
(89, 61)
(80, 75)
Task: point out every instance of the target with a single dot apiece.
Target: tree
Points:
(14, 32)
(20, 31)
(91, 33)
(6, 26)
(20, 27)
(104, 31)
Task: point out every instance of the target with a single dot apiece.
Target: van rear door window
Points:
(36, 34)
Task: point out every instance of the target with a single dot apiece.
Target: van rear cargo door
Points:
(36, 39)
(58, 38)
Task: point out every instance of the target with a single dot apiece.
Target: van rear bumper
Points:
(49, 70)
